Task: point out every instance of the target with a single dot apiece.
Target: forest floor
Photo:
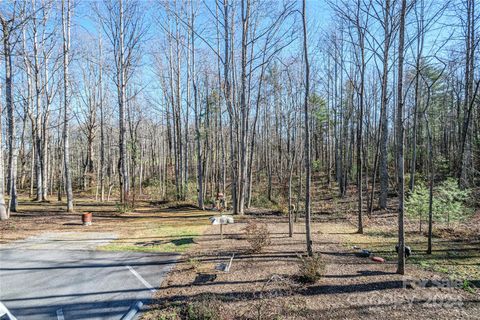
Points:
(265, 285)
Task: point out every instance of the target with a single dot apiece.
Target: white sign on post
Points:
(221, 220)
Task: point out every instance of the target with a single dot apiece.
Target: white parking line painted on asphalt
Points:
(60, 314)
(4, 313)
(145, 283)
(133, 311)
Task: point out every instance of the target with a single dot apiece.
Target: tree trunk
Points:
(12, 144)
(383, 165)
(102, 130)
(308, 168)
(197, 122)
(430, 194)
(360, 130)
(400, 143)
(243, 106)
(123, 173)
(3, 208)
(66, 101)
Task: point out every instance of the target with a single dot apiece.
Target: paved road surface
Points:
(48, 277)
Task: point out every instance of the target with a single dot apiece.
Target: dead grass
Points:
(150, 227)
(157, 238)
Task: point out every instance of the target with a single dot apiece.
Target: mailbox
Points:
(221, 220)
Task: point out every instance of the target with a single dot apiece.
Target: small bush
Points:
(311, 269)
(169, 314)
(316, 165)
(258, 235)
(207, 308)
(281, 208)
(261, 201)
(467, 286)
(124, 207)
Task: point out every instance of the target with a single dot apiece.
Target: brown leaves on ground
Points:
(263, 285)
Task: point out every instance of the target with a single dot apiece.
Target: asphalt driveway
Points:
(63, 277)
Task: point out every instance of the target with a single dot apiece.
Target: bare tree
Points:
(124, 26)
(470, 95)
(10, 25)
(400, 142)
(3, 208)
(197, 114)
(66, 13)
(308, 166)
(383, 165)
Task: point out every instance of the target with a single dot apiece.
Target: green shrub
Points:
(416, 204)
(124, 207)
(467, 286)
(261, 201)
(448, 202)
(316, 165)
(152, 182)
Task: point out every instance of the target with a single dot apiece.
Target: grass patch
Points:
(458, 259)
(158, 238)
(150, 227)
(463, 264)
(160, 230)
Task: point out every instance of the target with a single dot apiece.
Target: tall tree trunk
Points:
(123, 173)
(3, 208)
(383, 165)
(228, 98)
(66, 101)
(430, 191)
(102, 124)
(243, 106)
(12, 143)
(420, 41)
(465, 143)
(308, 168)
(197, 120)
(37, 126)
(400, 143)
(360, 128)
